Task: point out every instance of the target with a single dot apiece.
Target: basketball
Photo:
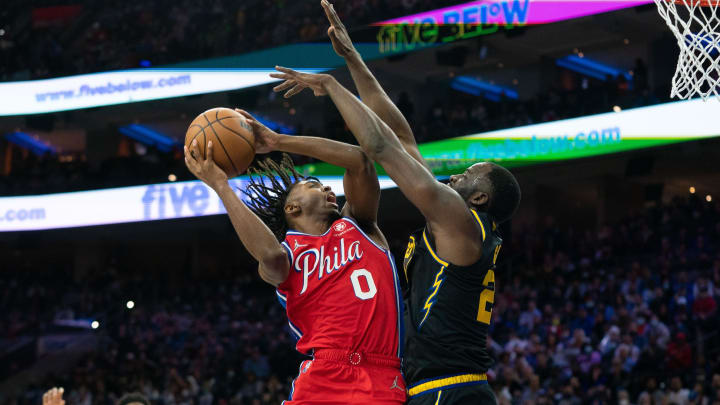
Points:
(233, 140)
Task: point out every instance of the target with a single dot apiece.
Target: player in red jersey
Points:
(333, 270)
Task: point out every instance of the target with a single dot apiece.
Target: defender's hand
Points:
(204, 169)
(54, 397)
(297, 82)
(337, 32)
(266, 139)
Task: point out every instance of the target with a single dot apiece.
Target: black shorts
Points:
(453, 390)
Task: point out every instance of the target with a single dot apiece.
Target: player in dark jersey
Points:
(333, 271)
(450, 263)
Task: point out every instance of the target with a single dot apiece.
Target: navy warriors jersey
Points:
(449, 307)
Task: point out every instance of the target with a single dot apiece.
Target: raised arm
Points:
(371, 92)
(457, 237)
(254, 234)
(360, 182)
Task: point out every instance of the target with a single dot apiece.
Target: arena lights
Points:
(566, 139)
(127, 204)
(507, 12)
(708, 198)
(130, 304)
(484, 17)
(588, 67)
(476, 87)
(150, 137)
(592, 135)
(125, 86)
(95, 324)
(30, 143)
(692, 190)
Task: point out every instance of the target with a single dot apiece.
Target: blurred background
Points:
(119, 275)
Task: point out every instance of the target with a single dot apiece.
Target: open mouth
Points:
(331, 198)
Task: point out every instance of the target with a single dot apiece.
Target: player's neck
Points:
(314, 225)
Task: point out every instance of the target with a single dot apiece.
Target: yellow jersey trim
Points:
(444, 382)
(431, 299)
(437, 401)
(432, 252)
(482, 227)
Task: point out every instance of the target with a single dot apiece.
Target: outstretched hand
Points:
(54, 396)
(297, 82)
(337, 32)
(266, 139)
(204, 169)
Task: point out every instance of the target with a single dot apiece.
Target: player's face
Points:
(471, 180)
(314, 198)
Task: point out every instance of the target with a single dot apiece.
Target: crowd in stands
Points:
(626, 314)
(622, 314)
(92, 37)
(202, 342)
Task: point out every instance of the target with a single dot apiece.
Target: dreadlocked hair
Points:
(270, 185)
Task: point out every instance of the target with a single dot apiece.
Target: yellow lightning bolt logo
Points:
(431, 299)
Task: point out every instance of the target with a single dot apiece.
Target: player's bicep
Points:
(275, 269)
(453, 226)
(419, 185)
(362, 192)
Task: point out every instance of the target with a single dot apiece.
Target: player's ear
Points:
(292, 208)
(479, 198)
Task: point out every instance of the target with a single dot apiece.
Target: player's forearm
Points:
(349, 157)
(374, 96)
(380, 144)
(254, 234)
(373, 135)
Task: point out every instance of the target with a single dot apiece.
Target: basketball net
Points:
(695, 24)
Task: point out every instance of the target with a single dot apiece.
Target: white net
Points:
(695, 25)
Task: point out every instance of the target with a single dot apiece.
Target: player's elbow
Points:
(430, 190)
(379, 149)
(364, 165)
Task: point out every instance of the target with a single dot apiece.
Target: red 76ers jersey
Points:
(342, 292)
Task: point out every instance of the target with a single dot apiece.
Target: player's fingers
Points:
(209, 149)
(190, 166)
(45, 397)
(186, 151)
(281, 76)
(244, 113)
(328, 13)
(195, 150)
(286, 70)
(295, 90)
(285, 85)
(334, 17)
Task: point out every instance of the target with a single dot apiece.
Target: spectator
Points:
(679, 353)
(678, 395)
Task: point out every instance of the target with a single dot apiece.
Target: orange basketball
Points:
(232, 137)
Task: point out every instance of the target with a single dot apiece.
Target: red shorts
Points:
(341, 377)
